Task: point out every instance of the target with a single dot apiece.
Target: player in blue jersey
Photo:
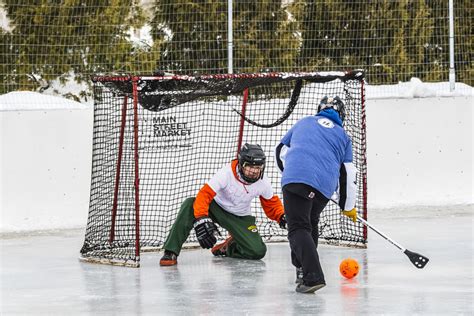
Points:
(315, 157)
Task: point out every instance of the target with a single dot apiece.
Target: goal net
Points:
(158, 139)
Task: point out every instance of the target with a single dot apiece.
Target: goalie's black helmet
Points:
(334, 103)
(252, 155)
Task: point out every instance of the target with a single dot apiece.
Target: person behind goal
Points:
(225, 199)
(315, 157)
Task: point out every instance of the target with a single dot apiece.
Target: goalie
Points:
(225, 199)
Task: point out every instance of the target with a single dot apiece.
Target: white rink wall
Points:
(45, 168)
(420, 153)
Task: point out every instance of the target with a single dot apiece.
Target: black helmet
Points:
(251, 155)
(333, 103)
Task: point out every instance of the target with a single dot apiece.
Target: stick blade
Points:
(418, 260)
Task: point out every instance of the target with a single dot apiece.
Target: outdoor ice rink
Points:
(41, 275)
(112, 113)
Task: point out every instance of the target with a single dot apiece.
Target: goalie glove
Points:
(206, 232)
(352, 214)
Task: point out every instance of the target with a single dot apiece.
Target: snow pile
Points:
(141, 37)
(30, 101)
(415, 88)
(4, 21)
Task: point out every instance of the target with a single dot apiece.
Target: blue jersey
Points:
(317, 147)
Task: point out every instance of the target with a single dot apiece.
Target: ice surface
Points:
(40, 274)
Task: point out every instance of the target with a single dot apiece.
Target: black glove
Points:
(282, 222)
(205, 232)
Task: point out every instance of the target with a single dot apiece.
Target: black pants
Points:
(303, 206)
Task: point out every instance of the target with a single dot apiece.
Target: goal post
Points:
(158, 139)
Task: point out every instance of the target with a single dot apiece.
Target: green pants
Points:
(248, 243)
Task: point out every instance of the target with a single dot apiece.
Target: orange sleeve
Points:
(272, 207)
(203, 200)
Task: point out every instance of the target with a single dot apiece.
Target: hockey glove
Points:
(352, 214)
(206, 232)
(282, 222)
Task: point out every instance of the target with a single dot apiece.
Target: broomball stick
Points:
(417, 259)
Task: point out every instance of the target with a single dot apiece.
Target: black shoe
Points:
(304, 288)
(299, 276)
(169, 259)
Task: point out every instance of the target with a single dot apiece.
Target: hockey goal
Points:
(158, 139)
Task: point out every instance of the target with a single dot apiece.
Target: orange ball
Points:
(349, 268)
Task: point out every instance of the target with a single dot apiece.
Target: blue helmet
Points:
(334, 103)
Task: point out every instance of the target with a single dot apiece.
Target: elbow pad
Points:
(347, 186)
(280, 154)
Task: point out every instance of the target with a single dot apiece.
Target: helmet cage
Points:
(251, 155)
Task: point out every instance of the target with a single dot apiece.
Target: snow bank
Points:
(34, 101)
(415, 88)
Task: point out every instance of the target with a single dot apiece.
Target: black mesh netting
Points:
(188, 128)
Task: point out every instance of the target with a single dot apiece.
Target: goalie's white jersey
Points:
(233, 194)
